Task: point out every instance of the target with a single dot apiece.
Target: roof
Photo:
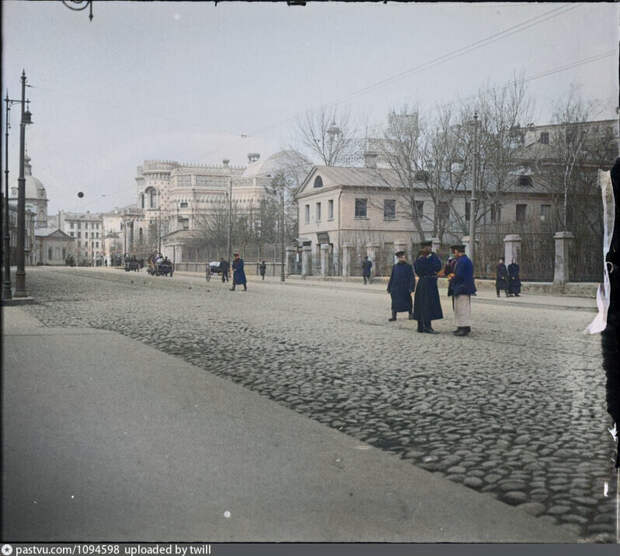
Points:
(280, 161)
(52, 233)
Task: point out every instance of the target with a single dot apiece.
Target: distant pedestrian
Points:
(366, 269)
(501, 278)
(238, 273)
(401, 286)
(463, 288)
(514, 282)
(262, 268)
(224, 269)
(426, 305)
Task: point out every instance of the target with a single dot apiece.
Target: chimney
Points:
(253, 157)
(370, 160)
(225, 162)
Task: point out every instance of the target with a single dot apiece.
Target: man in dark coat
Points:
(224, 269)
(463, 288)
(514, 282)
(262, 268)
(401, 286)
(501, 278)
(426, 306)
(366, 266)
(238, 273)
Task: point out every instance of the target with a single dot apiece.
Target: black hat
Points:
(235, 254)
(399, 253)
(426, 244)
(459, 248)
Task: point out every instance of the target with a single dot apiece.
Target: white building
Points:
(87, 231)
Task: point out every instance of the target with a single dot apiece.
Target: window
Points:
(467, 210)
(72, 224)
(86, 234)
(307, 214)
(49, 254)
(330, 209)
(185, 223)
(421, 175)
(318, 212)
(79, 234)
(361, 208)
(544, 137)
(64, 253)
(496, 213)
(525, 181)
(443, 211)
(97, 245)
(72, 234)
(419, 206)
(183, 204)
(318, 182)
(389, 209)
(545, 212)
(521, 213)
(79, 225)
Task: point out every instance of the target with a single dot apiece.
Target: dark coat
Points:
(514, 282)
(501, 277)
(400, 287)
(463, 282)
(366, 266)
(238, 272)
(224, 266)
(262, 269)
(426, 306)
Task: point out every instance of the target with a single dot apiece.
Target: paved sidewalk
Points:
(106, 438)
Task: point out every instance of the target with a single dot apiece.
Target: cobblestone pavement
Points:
(516, 409)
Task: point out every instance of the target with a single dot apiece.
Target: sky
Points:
(195, 82)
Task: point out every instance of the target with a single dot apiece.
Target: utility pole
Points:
(472, 205)
(229, 235)
(282, 234)
(6, 284)
(20, 275)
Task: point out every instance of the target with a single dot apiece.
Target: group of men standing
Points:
(426, 306)
(507, 279)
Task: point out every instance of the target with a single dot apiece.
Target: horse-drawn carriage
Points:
(161, 268)
(132, 265)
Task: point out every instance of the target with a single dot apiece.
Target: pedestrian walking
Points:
(224, 269)
(366, 268)
(238, 273)
(208, 272)
(501, 278)
(463, 288)
(514, 282)
(426, 304)
(262, 268)
(401, 286)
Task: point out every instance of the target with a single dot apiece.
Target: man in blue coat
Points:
(463, 288)
(401, 286)
(238, 273)
(426, 306)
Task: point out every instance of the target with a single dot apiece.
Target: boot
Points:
(420, 327)
(393, 316)
(410, 316)
(459, 331)
(245, 288)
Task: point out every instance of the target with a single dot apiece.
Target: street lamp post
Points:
(282, 234)
(229, 233)
(6, 284)
(20, 275)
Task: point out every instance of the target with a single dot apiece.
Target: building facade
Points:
(87, 231)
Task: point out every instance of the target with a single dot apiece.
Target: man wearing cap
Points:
(238, 273)
(427, 306)
(401, 286)
(463, 288)
(366, 268)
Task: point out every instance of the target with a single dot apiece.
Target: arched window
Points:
(49, 254)
(318, 182)
(141, 200)
(151, 194)
(140, 235)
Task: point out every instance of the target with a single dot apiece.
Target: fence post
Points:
(346, 260)
(512, 248)
(306, 261)
(324, 260)
(560, 270)
(290, 260)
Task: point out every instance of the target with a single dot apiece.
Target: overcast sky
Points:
(183, 81)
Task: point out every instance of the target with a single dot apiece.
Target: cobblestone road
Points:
(516, 409)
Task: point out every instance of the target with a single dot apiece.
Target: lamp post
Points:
(20, 275)
(229, 231)
(6, 283)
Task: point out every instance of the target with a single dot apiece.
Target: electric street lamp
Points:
(472, 205)
(20, 275)
(79, 6)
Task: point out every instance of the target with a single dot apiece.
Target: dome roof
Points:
(34, 187)
(280, 161)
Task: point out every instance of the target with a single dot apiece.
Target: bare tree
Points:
(328, 136)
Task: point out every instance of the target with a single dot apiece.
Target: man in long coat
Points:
(238, 273)
(463, 288)
(401, 286)
(501, 278)
(366, 268)
(514, 282)
(426, 306)
(224, 269)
